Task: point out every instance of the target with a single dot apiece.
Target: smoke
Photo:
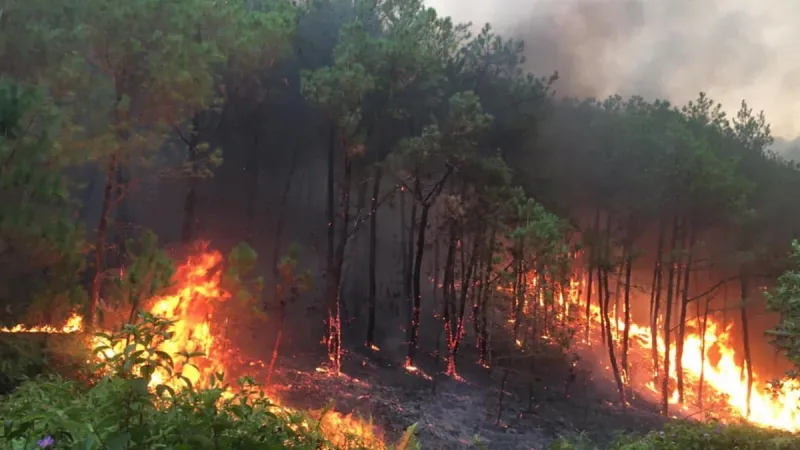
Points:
(673, 49)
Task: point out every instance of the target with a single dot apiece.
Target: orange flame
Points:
(192, 304)
(769, 408)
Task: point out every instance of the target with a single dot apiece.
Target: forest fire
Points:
(193, 304)
(710, 365)
(197, 298)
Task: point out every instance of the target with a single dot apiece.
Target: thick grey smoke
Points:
(732, 49)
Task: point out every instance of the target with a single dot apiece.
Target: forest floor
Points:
(453, 414)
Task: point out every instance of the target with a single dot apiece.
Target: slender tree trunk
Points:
(748, 361)
(102, 234)
(279, 293)
(330, 201)
(410, 242)
(608, 335)
(253, 168)
(618, 294)
(190, 200)
(592, 264)
(477, 292)
(404, 261)
(680, 341)
(466, 282)
(485, 299)
(334, 321)
(655, 296)
(447, 285)
(703, 330)
(521, 289)
(627, 333)
(601, 296)
(665, 387)
(416, 311)
(373, 253)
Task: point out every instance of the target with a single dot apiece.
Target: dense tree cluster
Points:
(504, 191)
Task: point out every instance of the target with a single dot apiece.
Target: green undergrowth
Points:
(117, 410)
(692, 436)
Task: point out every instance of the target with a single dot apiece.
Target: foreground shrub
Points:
(121, 410)
(694, 436)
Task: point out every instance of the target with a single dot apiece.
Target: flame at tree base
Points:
(710, 356)
(195, 305)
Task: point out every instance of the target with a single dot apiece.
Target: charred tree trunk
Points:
(703, 329)
(655, 297)
(253, 168)
(409, 277)
(601, 297)
(520, 288)
(373, 252)
(190, 199)
(417, 292)
(486, 292)
(627, 333)
(447, 285)
(330, 202)
(680, 341)
(592, 264)
(466, 282)
(279, 293)
(609, 338)
(404, 261)
(102, 235)
(748, 361)
(665, 387)
(334, 322)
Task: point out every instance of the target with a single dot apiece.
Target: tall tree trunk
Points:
(331, 202)
(102, 234)
(409, 276)
(447, 285)
(486, 292)
(601, 295)
(417, 292)
(680, 341)
(334, 283)
(253, 168)
(703, 330)
(373, 252)
(466, 282)
(278, 293)
(521, 289)
(608, 335)
(627, 333)
(190, 199)
(655, 297)
(665, 387)
(748, 361)
(417, 278)
(404, 261)
(592, 264)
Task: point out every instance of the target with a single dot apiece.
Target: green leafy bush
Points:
(119, 411)
(694, 436)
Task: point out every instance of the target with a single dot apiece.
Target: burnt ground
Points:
(453, 414)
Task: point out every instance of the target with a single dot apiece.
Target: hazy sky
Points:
(732, 49)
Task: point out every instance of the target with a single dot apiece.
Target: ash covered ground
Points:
(457, 414)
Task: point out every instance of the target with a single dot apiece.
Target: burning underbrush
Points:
(182, 345)
(179, 348)
(714, 381)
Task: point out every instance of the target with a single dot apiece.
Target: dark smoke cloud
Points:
(732, 49)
